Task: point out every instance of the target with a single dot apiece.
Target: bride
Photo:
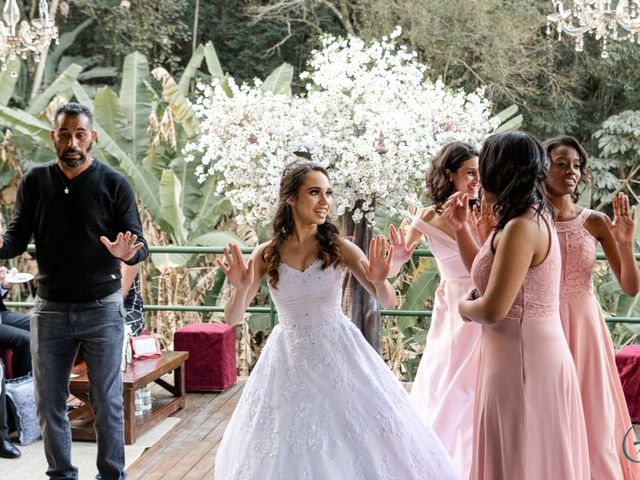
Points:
(320, 403)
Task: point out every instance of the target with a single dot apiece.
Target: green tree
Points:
(501, 46)
(158, 29)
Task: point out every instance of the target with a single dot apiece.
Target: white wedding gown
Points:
(321, 404)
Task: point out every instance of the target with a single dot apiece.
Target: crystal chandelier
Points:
(598, 18)
(18, 41)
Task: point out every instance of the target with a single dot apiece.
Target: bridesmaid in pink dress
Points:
(445, 384)
(579, 231)
(529, 423)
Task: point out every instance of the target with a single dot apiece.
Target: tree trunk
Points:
(195, 28)
(357, 303)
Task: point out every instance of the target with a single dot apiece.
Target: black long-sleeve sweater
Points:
(67, 218)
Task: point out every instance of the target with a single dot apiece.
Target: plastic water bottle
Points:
(146, 398)
(126, 347)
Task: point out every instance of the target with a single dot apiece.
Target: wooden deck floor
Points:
(188, 451)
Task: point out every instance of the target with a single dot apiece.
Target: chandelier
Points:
(598, 18)
(27, 37)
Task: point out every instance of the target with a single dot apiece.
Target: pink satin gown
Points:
(445, 384)
(529, 423)
(605, 408)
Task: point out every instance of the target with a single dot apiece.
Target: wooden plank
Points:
(204, 467)
(201, 455)
(157, 461)
(171, 441)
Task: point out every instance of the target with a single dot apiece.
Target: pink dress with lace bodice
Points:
(605, 409)
(445, 385)
(529, 423)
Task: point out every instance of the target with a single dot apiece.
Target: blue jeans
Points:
(58, 331)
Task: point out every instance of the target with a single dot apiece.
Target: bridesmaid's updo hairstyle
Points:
(567, 141)
(450, 157)
(513, 166)
(283, 225)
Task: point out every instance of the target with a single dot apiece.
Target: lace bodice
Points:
(578, 248)
(539, 295)
(307, 300)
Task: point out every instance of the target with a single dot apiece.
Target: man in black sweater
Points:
(84, 220)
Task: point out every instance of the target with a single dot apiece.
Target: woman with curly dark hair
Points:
(579, 232)
(320, 402)
(528, 419)
(445, 384)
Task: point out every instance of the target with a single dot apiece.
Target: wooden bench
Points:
(139, 374)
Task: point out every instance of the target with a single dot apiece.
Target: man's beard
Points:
(74, 162)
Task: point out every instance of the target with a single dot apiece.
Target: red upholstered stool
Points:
(6, 356)
(212, 355)
(628, 363)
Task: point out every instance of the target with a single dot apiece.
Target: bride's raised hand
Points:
(484, 219)
(401, 253)
(240, 275)
(377, 266)
(456, 211)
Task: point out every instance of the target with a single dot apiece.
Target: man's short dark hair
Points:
(73, 110)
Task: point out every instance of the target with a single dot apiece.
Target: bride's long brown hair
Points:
(283, 225)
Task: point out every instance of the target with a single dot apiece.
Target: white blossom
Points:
(368, 115)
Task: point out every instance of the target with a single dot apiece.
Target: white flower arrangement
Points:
(369, 116)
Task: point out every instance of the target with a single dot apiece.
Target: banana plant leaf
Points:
(60, 85)
(135, 101)
(202, 205)
(98, 72)
(83, 97)
(509, 122)
(8, 80)
(108, 112)
(422, 288)
(163, 261)
(145, 184)
(210, 208)
(213, 64)
(26, 124)
(203, 52)
(217, 238)
(157, 159)
(259, 322)
(279, 81)
(7, 174)
(170, 206)
(211, 239)
(177, 101)
(211, 297)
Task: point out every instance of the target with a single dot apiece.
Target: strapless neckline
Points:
(285, 264)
